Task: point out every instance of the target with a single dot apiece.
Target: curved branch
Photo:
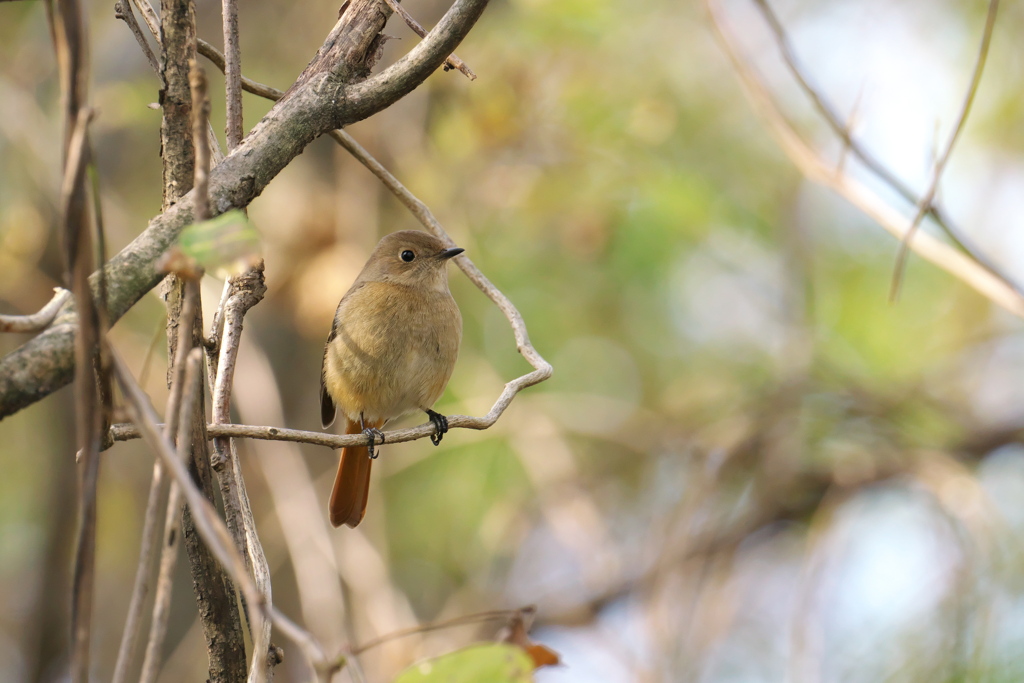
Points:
(39, 367)
(321, 100)
(126, 431)
(378, 92)
(542, 370)
(39, 320)
(452, 62)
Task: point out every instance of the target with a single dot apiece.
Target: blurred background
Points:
(749, 465)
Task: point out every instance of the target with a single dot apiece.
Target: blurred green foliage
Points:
(496, 663)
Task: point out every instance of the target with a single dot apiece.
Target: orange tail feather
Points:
(352, 483)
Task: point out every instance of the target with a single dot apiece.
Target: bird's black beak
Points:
(448, 253)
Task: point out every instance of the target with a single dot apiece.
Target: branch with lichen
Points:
(333, 91)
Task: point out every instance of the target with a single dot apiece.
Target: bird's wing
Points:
(328, 411)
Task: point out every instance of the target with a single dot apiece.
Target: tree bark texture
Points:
(328, 95)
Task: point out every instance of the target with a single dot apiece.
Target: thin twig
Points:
(843, 129)
(940, 165)
(452, 62)
(247, 84)
(246, 291)
(127, 432)
(39, 320)
(216, 330)
(200, 117)
(186, 320)
(71, 47)
(236, 502)
(123, 11)
(211, 528)
(153, 656)
(169, 553)
(158, 486)
(232, 73)
(132, 625)
(209, 525)
(149, 16)
(464, 620)
(542, 369)
(257, 398)
(324, 666)
(818, 170)
(102, 304)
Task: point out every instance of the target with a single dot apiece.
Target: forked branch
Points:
(815, 167)
(452, 62)
(326, 96)
(924, 206)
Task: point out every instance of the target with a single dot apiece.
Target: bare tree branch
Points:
(126, 432)
(169, 554)
(215, 594)
(324, 98)
(452, 62)
(123, 11)
(925, 204)
(89, 427)
(212, 528)
(370, 96)
(39, 320)
(245, 292)
(71, 47)
(842, 130)
(505, 615)
(249, 85)
(542, 369)
(200, 116)
(150, 17)
(819, 170)
(232, 72)
(178, 49)
(175, 419)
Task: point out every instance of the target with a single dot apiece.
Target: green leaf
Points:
(228, 244)
(491, 662)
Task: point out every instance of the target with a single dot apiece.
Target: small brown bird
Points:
(391, 351)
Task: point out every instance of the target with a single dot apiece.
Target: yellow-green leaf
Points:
(492, 662)
(228, 244)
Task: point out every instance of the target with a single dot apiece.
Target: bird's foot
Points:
(440, 426)
(375, 436)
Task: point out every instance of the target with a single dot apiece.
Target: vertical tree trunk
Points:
(215, 594)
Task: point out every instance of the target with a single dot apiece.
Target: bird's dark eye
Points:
(407, 255)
